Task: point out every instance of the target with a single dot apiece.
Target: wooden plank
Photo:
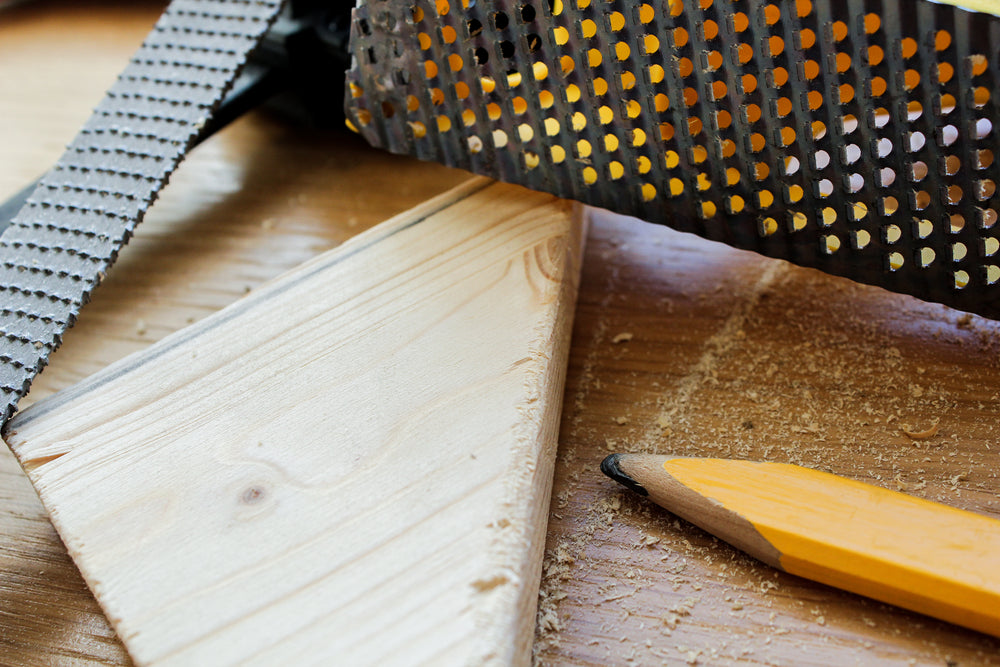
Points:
(251, 203)
(353, 463)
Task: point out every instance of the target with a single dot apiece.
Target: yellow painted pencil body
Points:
(914, 553)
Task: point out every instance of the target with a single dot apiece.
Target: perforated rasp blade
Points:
(60, 245)
(854, 136)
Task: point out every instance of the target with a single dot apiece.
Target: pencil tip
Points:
(610, 467)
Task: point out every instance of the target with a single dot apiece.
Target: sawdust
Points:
(925, 434)
(804, 369)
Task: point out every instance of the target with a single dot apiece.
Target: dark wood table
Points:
(680, 345)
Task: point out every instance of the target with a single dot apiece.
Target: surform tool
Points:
(914, 553)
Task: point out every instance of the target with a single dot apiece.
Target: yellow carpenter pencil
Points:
(918, 554)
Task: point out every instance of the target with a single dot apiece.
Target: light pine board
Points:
(252, 202)
(352, 464)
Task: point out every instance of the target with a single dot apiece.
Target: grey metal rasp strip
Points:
(61, 244)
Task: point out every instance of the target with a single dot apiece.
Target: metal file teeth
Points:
(854, 136)
(61, 244)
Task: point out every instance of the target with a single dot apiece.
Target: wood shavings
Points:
(767, 586)
(679, 611)
(926, 434)
(619, 596)
(690, 655)
(811, 372)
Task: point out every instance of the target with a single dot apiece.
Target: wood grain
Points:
(722, 353)
(249, 204)
(353, 463)
(733, 354)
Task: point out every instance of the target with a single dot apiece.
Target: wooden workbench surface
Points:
(680, 346)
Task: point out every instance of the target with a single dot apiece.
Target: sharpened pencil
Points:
(914, 553)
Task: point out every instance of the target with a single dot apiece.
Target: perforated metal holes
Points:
(857, 137)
